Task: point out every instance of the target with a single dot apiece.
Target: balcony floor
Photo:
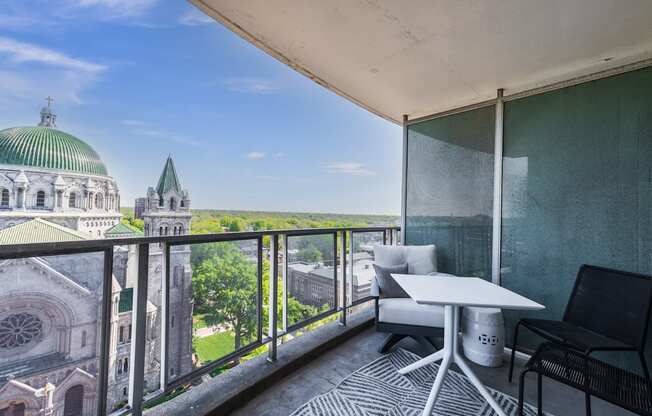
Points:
(324, 373)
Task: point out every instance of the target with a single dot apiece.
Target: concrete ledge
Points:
(226, 392)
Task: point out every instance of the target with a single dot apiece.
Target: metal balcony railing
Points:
(277, 252)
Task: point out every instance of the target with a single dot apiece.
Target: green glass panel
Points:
(577, 187)
(450, 190)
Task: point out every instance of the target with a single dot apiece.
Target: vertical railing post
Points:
(273, 297)
(286, 289)
(385, 237)
(165, 311)
(138, 340)
(105, 332)
(335, 273)
(259, 288)
(344, 273)
(404, 179)
(349, 282)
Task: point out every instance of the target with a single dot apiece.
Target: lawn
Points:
(199, 321)
(214, 346)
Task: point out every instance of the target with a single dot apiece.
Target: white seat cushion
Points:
(405, 311)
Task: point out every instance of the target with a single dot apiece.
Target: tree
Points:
(134, 222)
(310, 254)
(233, 223)
(226, 281)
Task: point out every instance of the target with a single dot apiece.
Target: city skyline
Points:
(234, 119)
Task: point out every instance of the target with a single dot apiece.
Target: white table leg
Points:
(448, 357)
(450, 354)
(432, 358)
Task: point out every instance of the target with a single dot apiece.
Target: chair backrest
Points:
(611, 302)
(420, 259)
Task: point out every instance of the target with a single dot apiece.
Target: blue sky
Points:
(139, 79)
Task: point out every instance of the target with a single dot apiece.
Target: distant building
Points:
(312, 283)
(55, 187)
(139, 208)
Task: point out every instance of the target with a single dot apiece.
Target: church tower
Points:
(167, 208)
(167, 212)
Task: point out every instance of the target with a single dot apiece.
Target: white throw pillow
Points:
(387, 256)
(421, 259)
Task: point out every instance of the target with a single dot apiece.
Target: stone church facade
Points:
(54, 187)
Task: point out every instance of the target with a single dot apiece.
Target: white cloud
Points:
(250, 86)
(32, 71)
(255, 155)
(118, 8)
(20, 52)
(195, 17)
(348, 168)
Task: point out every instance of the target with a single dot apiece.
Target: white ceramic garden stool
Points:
(483, 335)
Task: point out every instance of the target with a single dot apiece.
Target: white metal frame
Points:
(496, 239)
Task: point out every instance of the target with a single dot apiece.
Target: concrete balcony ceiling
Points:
(420, 57)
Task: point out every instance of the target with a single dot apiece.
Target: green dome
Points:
(45, 147)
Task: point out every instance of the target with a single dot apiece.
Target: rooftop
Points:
(46, 147)
(39, 231)
(169, 181)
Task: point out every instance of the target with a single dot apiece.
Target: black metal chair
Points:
(592, 376)
(608, 310)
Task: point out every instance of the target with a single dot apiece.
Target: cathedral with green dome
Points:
(49, 174)
(54, 187)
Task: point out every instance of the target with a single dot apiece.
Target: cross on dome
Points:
(48, 117)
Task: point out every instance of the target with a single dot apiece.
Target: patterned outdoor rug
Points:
(377, 389)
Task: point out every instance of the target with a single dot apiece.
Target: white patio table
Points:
(452, 293)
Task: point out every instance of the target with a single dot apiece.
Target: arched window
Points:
(125, 366)
(4, 198)
(13, 410)
(72, 200)
(74, 401)
(160, 202)
(182, 204)
(40, 199)
(99, 201)
(83, 339)
(160, 231)
(173, 204)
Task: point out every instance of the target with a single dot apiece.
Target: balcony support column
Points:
(498, 190)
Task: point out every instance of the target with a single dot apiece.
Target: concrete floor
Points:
(324, 373)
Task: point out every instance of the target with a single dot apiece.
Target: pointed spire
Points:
(169, 179)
